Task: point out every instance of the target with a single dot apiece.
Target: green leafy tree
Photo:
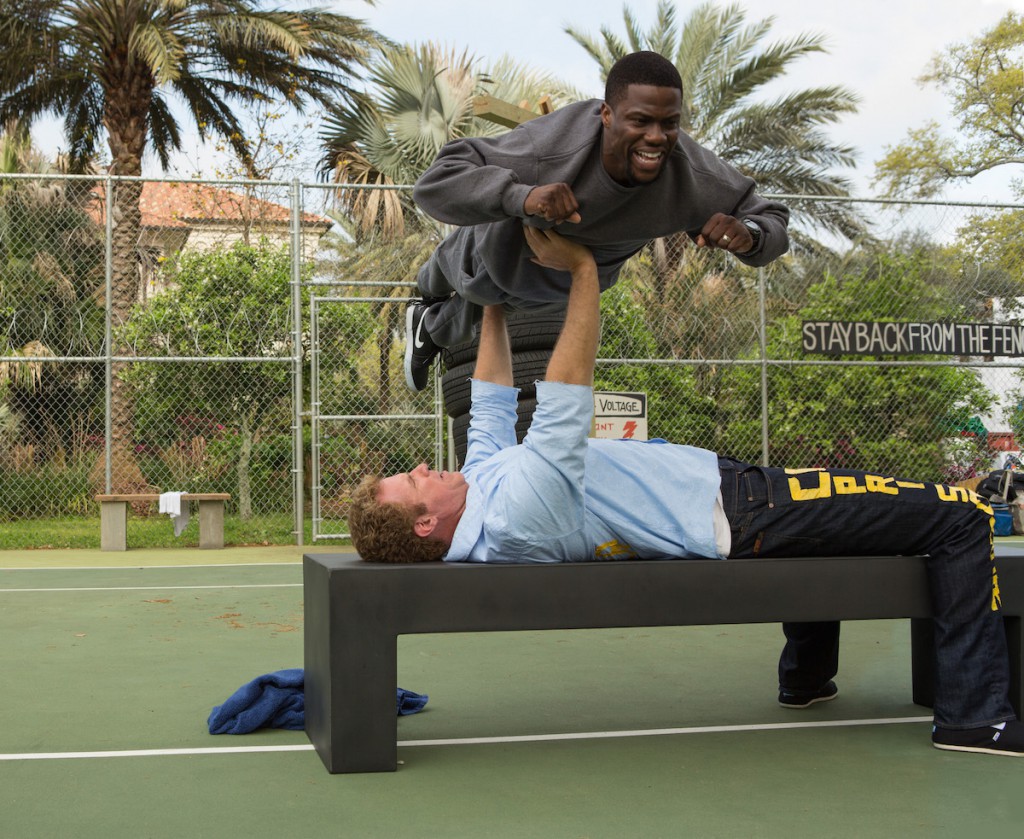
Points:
(221, 303)
(225, 303)
(676, 408)
(112, 67)
(896, 420)
(51, 267)
(982, 79)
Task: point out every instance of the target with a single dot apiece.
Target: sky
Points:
(877, 48)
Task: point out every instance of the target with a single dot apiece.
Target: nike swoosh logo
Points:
(416, 342)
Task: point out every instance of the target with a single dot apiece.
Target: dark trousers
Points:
(456, 292)
(838, 512)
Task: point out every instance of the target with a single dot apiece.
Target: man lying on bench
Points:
(561, 497)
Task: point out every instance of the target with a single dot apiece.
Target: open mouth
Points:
(648, 161)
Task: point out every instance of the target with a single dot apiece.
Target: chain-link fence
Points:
(149, 344)
(242, 337)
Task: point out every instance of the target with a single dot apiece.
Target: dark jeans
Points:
(838, 512)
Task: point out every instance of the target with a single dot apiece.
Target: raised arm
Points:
(572, 360)
(494, 354)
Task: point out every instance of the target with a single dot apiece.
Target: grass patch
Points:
(154, 531)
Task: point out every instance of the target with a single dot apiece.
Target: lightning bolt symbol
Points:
(628, 429)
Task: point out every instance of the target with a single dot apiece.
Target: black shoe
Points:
(805, 699)
(1003, 739)
(419, 348)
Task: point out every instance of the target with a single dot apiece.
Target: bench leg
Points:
(922, 643)
(211, 524)
(350, 677)
(114, 525)
(922, 661)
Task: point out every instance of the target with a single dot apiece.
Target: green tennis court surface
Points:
(114, 661)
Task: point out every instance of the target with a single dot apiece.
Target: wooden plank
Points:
(503, 113)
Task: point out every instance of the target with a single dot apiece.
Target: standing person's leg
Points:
(810, 657)
(809, 662)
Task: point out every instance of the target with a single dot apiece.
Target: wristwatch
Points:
(755, 233)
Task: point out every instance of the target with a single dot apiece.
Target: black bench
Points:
(355, 611)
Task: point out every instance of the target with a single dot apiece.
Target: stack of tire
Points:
(532, 336)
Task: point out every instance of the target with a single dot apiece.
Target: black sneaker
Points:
(805, 699)
(419, 348)
(1004, 739)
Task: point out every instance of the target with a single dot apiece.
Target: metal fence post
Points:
(762, 327)
(108, 339)
(297, 406)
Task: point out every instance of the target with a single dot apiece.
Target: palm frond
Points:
(164, 131)
(661, 38)
(634, 36)
(160, 49)
(592, 47)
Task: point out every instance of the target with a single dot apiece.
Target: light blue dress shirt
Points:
(561, 497)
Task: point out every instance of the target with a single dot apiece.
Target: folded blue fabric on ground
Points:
(409, 702)
(277, 700)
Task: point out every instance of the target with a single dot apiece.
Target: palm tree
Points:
(422, 97)
(112, 66)
(724, 64)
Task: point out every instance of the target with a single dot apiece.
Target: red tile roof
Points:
(182, 204)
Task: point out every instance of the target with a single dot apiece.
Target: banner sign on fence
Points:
(871, 338)
(620, 415)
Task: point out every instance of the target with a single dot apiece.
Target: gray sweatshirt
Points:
(481, 184)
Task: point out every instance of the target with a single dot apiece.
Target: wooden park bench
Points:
(114, 517)
(355, 611)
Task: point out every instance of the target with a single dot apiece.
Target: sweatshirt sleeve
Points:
(714, 185)
(773, 219)
(479, 179)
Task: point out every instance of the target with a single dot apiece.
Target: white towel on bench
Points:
(172, 504)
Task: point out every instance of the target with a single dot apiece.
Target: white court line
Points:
(475, 741)
(145, 567)
(661, 732)
(152, 588)
(153, 752)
